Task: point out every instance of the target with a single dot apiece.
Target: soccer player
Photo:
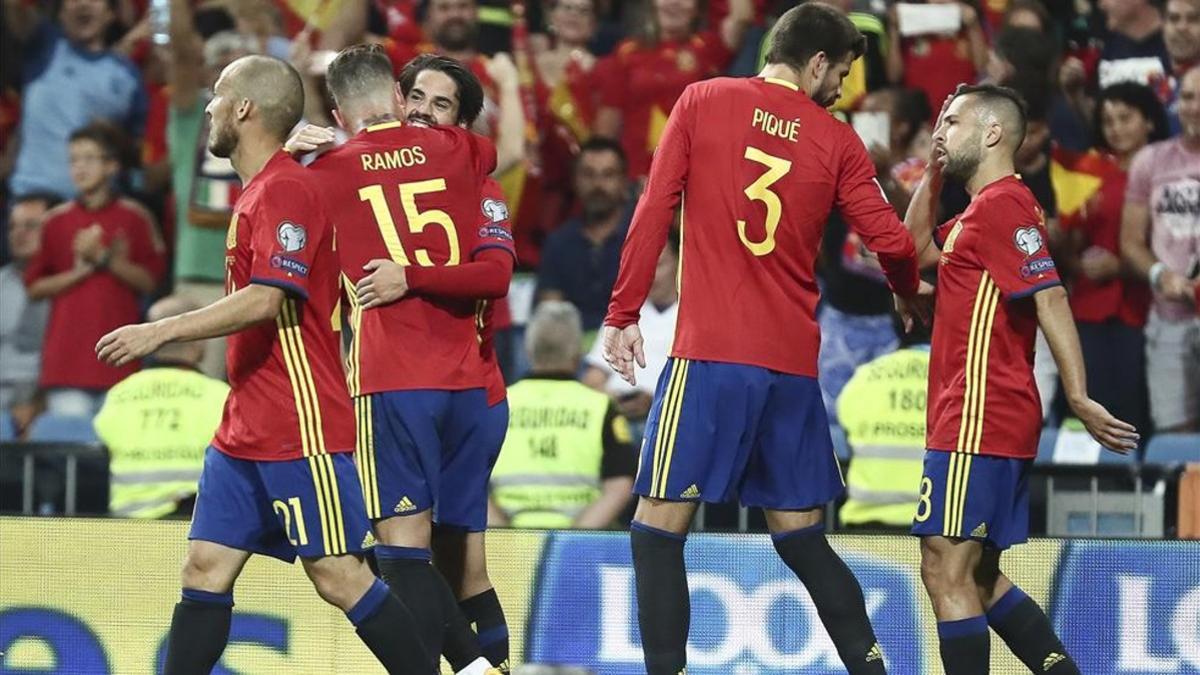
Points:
(410, 243)
(279, 479)
(738, 412)
(996, 285)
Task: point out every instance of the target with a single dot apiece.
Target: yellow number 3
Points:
(760, 190)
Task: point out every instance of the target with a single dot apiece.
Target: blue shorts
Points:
(979, 497)
(429, 448)
(311, 507)
(724, 431)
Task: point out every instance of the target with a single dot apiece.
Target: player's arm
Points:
(1054, 317)
(235, 312)
(645, 240)
(865, 209)
(921, 218)
(617, 468)
(484, 278)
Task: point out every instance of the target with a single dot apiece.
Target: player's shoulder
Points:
(1008, 193)
(491, 189)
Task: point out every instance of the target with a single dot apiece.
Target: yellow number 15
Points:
(417, 219)
(760, 190)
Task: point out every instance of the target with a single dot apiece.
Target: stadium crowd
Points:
(112, 202)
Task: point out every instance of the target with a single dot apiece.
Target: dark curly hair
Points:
(1136, 96)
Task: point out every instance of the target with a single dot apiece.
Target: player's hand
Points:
(129, 343)
(622, 348)
(385, 282)
(917, 307)
(503, 71)
(1109, 431)
(1175, 286)
(310, 138)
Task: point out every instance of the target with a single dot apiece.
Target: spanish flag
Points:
(1076, 176)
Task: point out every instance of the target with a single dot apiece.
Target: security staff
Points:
(882, 409)
(156, 424)
(567, 460)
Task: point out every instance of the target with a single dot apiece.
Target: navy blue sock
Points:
(390, 631)
(1026, 630)
(836, 594)
(664, 608)
(965, 645)
(485, 612)
(410, 575)
(199, 632)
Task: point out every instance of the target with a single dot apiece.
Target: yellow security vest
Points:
(882, 409)
(549, 467)
(156, 425)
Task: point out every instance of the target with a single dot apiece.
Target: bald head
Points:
(273, 86)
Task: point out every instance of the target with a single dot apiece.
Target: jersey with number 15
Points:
(410, 194)
(756, 166)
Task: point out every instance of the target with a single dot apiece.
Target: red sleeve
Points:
(145, 246)
(495, 228)
(40, 265)
(1013, 245)
(653, 217)
(863, 205)
(483, 153)
(287, 230)
(486, 277)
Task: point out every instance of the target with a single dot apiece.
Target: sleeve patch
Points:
(495, 209)
(1037, 268)
(291, 237)
(1028, 240)
(289, 265)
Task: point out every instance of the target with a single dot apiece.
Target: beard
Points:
(961, 166)
(456, 35)
(222, 142)
(598, 205)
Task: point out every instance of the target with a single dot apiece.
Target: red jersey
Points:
(82, 314)
(411, 194)
(758, 194)
(645, 81)
(495, 231)
(287, 396)
(982, 394)
(1099, 222)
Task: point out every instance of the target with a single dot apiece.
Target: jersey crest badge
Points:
(291, 237)
(1028, 240)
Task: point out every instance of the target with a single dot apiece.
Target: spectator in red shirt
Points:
(643, 78)
(100, 253)
(934, 63)
(1110, 307)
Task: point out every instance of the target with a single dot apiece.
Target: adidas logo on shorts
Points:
(405, 505)
(980, 532)
(691, 493)
(875, 653)
(368, 541)
(1052, 660)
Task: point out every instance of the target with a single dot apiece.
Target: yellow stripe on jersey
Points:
(354, 354)
(669, 429)
(366, 456)
(299, 398)
(664, 416)
(958, 476)
(983, 313)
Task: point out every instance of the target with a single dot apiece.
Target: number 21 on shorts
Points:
(760, 190)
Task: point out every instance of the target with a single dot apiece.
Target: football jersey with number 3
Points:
(982, 395)
(755, 166)
(410, 194)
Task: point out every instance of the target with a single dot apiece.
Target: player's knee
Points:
(206, 571)
(339, 580)
(940, 573)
